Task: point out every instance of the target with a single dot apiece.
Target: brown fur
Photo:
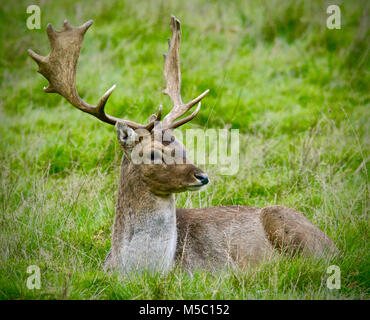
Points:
(241, 236)
(288, 229)
(208, 238)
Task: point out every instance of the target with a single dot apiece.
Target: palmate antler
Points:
(59, 68)
(172, 74)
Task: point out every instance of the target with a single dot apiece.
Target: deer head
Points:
(150, 149)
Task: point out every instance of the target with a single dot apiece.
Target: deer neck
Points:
(144, 233)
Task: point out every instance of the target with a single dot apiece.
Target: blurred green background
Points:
(298, 92)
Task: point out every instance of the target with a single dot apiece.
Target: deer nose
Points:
(202, 177)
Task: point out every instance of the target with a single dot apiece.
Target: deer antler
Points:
(59, 68)
(172, 74)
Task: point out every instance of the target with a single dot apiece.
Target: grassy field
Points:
(298, 92)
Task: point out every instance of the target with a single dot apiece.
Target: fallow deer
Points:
(149, 233)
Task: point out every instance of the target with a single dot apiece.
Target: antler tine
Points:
(154, 118)
(172, 71)
(59, 68)
(172, 74)
(179, 123)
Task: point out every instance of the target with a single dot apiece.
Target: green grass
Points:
(298, 92)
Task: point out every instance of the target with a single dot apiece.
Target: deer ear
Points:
(125, 135)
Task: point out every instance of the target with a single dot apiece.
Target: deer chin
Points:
(196, 187)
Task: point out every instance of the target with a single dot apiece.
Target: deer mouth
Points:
(195, 187)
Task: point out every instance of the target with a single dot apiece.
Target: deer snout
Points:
(202, 178)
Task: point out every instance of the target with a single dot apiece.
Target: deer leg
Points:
(290, 231)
